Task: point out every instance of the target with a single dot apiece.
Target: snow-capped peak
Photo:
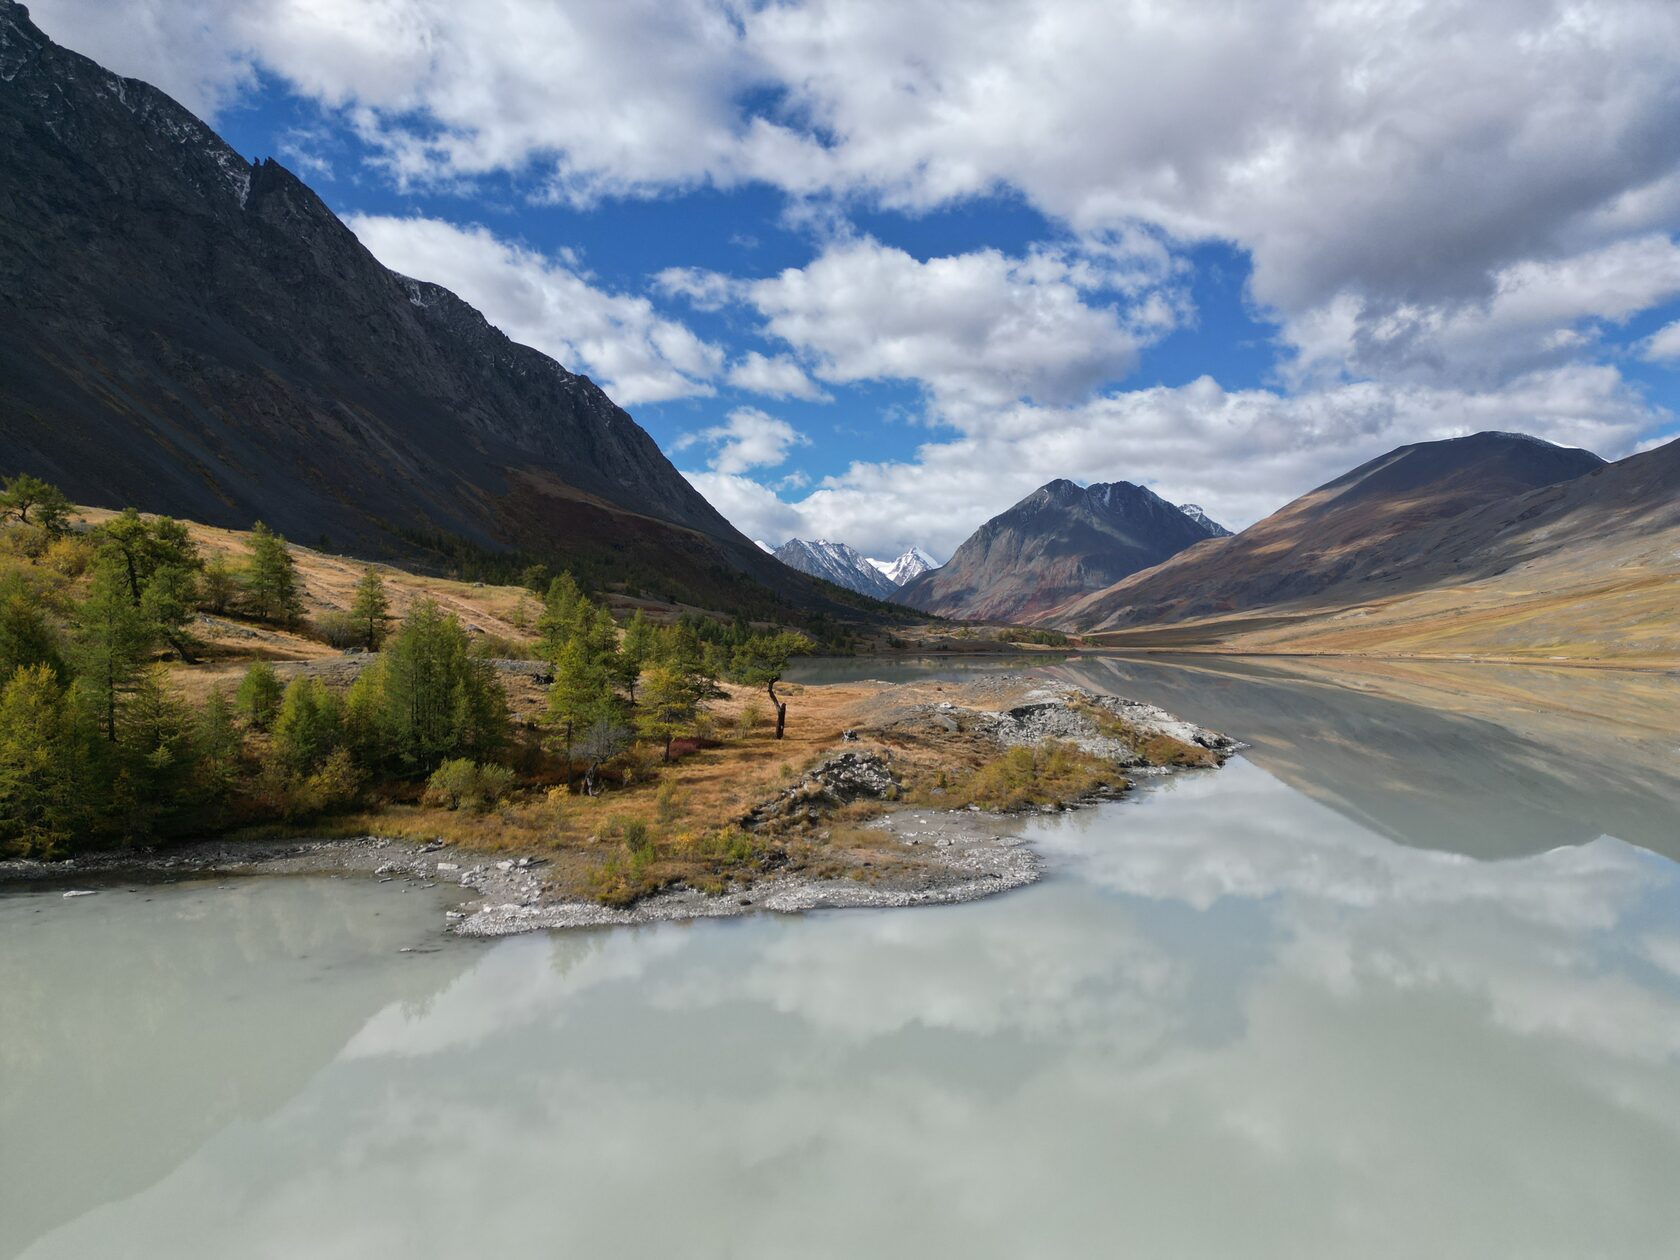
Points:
(912, 564)
(1196, 513)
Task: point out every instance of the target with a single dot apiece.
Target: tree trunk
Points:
(781, 708)
(667, 748)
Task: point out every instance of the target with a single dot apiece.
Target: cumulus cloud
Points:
(978, 329)
(1663, 346)
(775, 376)
(748, 439)
(636, 354)
(1240, 453)
(1372, 150)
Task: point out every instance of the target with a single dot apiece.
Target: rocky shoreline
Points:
(962, 854)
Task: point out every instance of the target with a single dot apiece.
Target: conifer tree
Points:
(270, 576)
(370, 609)
(113, 641)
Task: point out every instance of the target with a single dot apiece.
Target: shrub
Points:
(340, 630)
(461, 783)
(749, 720)
(665, 802)
(335, 785)
(1049, 773)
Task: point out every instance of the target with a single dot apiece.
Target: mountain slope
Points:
(837, 563)
(1058, 543)
(1406, 520)
(194, 334)
(912, 564)
(1586, 570)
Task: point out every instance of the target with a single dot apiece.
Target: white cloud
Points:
(980, 329)
(775, 377)
(1663, 346)
(633, 352)
(1403, 156)
(1240, 453)
(748, 439)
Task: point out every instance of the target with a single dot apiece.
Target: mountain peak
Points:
(1061, 541)
(837, 563)
(912, 564)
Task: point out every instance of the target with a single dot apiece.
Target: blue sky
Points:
(874, 271)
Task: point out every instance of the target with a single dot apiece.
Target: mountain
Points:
(912, 564)
(837, 563)
(192, 333)
(1196, 513)
(1060, 542)
(1397, 522)
(1583, 570)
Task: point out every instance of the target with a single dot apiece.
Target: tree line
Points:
(98, 747)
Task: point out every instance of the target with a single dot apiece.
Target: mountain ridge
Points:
(1369, 528)
(1061, 541)
(838, 563)
(200, 335)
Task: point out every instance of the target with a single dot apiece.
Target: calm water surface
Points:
(1402, 981)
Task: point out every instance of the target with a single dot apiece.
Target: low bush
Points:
(461, 783)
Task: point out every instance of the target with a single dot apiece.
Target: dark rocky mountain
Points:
(1392, 523)
(837, 563)
(191, 333)
(1058, 543)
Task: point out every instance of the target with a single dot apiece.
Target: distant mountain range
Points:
(1494, 544)
(1363, 527)
(1060, 542)
(836, 562)
(912, 564)
(190, 333)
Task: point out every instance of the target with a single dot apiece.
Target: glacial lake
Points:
(1401, 980)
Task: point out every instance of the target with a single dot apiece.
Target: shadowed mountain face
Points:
(1059, 542)
(190, 333)
(1385, 525)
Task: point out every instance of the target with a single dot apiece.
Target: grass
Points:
(1049, 774)
(1155, 748)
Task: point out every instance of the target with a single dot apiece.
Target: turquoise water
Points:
(1371, 990)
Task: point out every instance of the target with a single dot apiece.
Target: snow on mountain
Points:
(836, 562)
(912, 564)
(1213, 527)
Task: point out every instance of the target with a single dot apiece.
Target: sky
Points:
(873, 270)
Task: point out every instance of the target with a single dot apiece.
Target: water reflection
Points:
(1236, 1019)
(136, 1024)
(1489, 760)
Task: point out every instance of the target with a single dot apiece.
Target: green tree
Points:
(439, 700)
(310, 726)
(762, 660)
(218, 586)
(26, 637)
(636, 649)
(370, 609)
(40, 800)
(159, 562)
(113, 641)
(271, 588)
(583, 693)
(367, 729)
(563, 607)
(669, 706)
(258, 697)
(23, 495)
(218, 747)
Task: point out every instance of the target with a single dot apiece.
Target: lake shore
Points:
(919, 802)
